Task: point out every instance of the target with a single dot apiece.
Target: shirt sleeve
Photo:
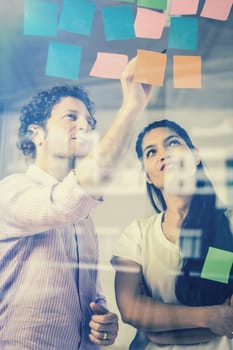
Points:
(100, 298)
(27, 207)
(129, 243)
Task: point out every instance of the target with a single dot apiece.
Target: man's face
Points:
(68, 130)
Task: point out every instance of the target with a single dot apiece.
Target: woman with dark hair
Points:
(167, 285)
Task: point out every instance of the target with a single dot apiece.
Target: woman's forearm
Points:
(182, 337)
(146, 314)
(149, 315)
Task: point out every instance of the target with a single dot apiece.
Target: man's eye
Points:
(71, 116)
(91, 121)
(150, 153)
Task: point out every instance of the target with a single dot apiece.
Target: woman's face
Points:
(169, 163)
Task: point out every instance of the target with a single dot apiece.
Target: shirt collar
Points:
(41, 176)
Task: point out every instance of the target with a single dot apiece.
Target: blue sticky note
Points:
(77, 16)
(183, 33)
(118, 22)
(40, 18)
(63, 60)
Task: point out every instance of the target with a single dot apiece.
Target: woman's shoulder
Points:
(143, 224)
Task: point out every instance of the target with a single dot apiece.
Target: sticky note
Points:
(109, 65)
(216, 9)
(153, 4)
(150, 67)
(187, 71)
(184, 7)
(149, 24)
(40, 18)
(183, 33)
(217, 265)
(63, 60)
(77, 16)
(118, 22)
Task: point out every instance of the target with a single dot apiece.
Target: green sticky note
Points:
(154, 4)
(217, 265)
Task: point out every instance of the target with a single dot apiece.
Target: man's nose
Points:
(82, 123)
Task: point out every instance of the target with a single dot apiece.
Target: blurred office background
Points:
(207, 113)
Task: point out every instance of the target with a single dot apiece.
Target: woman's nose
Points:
(162, 154)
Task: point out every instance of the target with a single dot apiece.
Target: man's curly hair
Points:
(38, 111)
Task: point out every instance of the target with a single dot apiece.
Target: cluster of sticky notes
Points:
(151, 66)
(217, 265)
(121, 23)
(214, 9)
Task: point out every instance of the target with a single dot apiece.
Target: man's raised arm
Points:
(94, 168)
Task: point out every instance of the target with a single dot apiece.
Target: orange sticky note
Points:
(109, 65)
(187, 71)
(149, 23)
(150, 67)
(217, 9)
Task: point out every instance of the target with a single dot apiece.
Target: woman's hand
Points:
(221, 320)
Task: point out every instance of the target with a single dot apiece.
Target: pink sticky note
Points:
(109, 65)
(184, 7)
(149, 23)
(217, 9)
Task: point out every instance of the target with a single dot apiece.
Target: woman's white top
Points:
(144, 242)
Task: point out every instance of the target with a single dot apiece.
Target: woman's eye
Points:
(150, 153)
(173, 143)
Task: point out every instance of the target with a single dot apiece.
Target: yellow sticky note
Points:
(150, 67)
(187, 72)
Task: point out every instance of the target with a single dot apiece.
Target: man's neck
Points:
(57, 167)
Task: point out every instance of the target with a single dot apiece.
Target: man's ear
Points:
(37, 134)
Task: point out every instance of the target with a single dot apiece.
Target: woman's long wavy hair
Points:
(203, 216)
